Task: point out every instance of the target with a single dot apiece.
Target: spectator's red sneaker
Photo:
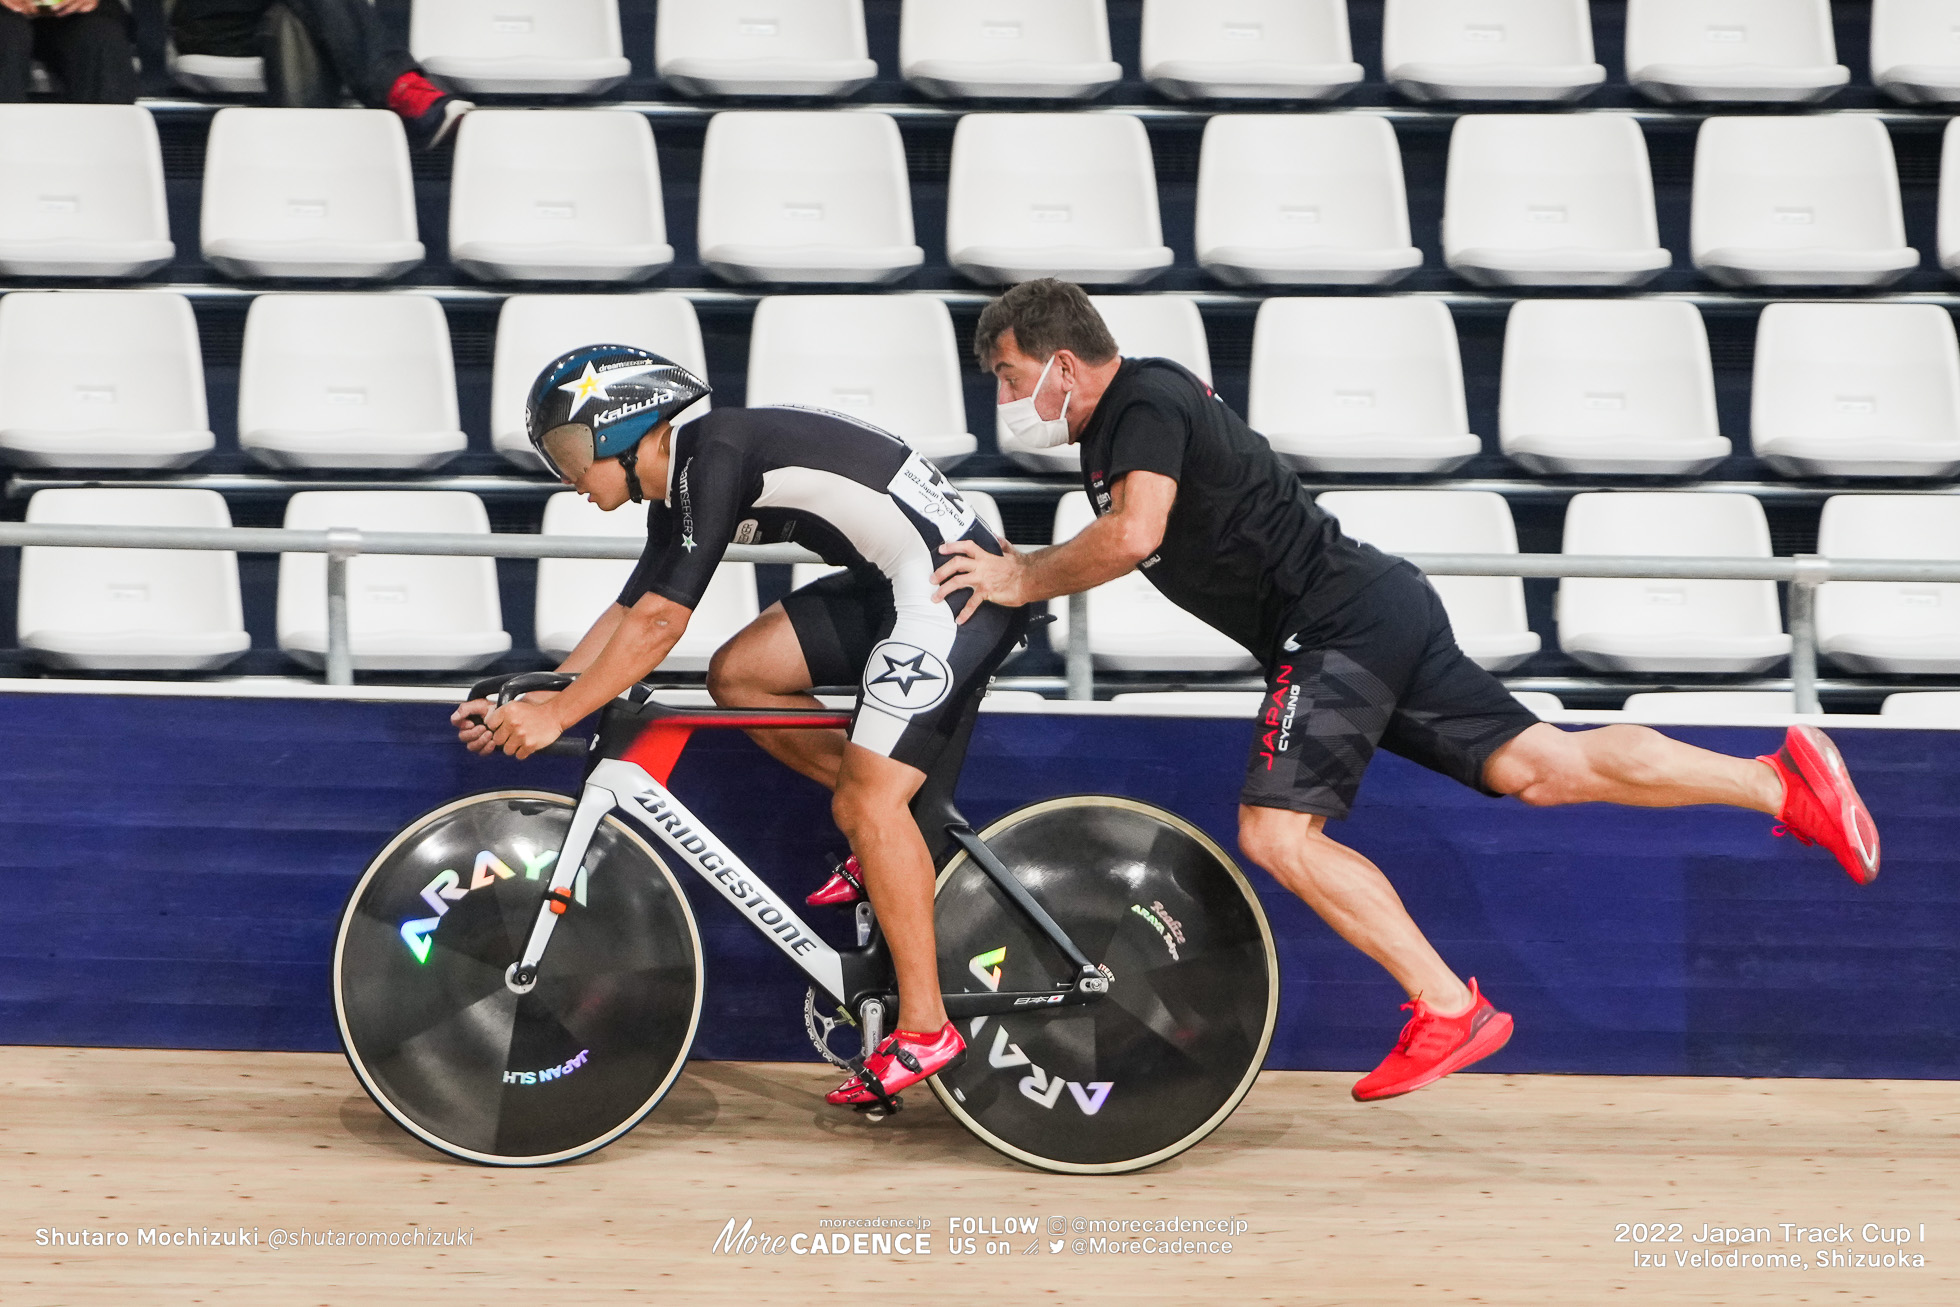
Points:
(1432, 1046)
(1820, 805)
(903, 1060)
(846, 885)
(426, 110)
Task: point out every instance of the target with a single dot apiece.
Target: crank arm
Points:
(1005, 1001)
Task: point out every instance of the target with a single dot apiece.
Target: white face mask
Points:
(1028, 426)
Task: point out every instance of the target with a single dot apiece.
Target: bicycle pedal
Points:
(876, 1111)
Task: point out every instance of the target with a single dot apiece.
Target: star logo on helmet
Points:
(590, 385)
(905, 672)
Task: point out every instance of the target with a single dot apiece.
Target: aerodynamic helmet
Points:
(597, 402)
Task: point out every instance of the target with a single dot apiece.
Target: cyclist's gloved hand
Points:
(468, 721)
(521, 728)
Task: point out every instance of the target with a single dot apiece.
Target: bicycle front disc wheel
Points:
(449, 1049)
(1162, 1059)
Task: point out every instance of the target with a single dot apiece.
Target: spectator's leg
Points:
(16, 55)
(358, 47)
(297, 75)
(89, 54)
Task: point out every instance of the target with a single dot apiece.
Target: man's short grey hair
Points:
(1045, 315)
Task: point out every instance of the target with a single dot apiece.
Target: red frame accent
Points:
(659, 746)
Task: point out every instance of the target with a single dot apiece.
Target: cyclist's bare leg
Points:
(762, 666)
(1353, 896)
(873, 809)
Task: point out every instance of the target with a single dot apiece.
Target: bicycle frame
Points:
(630, 763)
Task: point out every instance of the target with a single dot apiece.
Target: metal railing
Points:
(1802, 573)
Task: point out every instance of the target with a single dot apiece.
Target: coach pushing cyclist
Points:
(1356, 648)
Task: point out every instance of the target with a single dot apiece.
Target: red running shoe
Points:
(903, 1060)
(1820, 805)
(846, 885)
(1432, 1046)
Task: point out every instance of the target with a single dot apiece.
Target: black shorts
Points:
(916, 669)
(1381, 670)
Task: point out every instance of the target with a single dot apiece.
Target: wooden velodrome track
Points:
(1496, 1189)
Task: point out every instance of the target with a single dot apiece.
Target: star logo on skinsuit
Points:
(687, 543)
(906, 678)
(906, 672)
(590, 385)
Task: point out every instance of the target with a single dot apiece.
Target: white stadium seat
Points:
(889, 360)
(762, 47)
(1303, 200)
(308, 193)
(1539, 702)
(101, 379)
(1248, 49)
(1038, 49)
(1623, 625)
(1915, 709)
(1689, 706)
(1490, 49)
(1191, 703)
(1550, 200)
(1133, 628)
(84, 192)
(1948, 242)
(532, 330)
(1915, 50)
(1857, 390)
(216, 74)
(1608, 388)
(1054, 195)
(1800, 201)
(131, 609)
(982, 503)
(348, 381)
(1486, 612)
(520, 47)
(405, 612)
(1889, 628)
(557, 195)
(1752, 51)
(1360, 385)
(573, 592)
(806, 197)
(1145, 326)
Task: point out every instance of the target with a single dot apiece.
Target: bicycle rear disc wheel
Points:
(1161, 1060)
(439, 1039)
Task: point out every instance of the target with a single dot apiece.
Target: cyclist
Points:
(602, 419)
(1357, 649)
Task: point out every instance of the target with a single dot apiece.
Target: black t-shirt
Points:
(856, 496)
(1245, 548)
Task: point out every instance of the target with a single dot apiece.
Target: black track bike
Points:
(517, 975)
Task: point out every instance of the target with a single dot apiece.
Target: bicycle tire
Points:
(448, 1050)
(1164, 1058)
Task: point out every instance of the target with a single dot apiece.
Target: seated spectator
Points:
(84, 43)
(311, 49)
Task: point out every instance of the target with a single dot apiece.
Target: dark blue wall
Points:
(171, 870)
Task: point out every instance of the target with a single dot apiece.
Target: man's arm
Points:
(640, 640)
(1109, 547)
(468, 717)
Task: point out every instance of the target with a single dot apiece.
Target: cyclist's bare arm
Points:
(640, 641)
(1109, 547)
(468, 717)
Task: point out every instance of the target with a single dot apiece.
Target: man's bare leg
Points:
(1633, 765)
(1543, 766)
(1351, 894)
(873, 809)
(762, 666)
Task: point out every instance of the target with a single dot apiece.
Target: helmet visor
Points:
(568, 449)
